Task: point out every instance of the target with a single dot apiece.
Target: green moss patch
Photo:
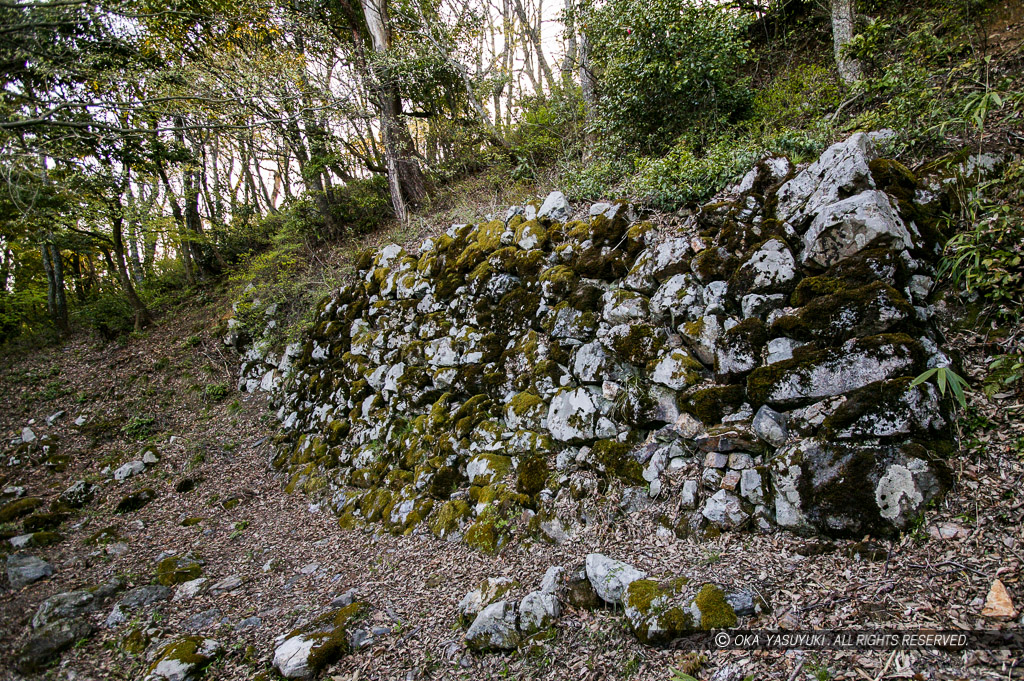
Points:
(715, 611)
(19, 508)
(178, 569)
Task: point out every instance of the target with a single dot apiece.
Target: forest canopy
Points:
(148, 147)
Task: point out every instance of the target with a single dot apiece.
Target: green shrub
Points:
(798, 96)
(139, 427)
(109, 314)
(216, 391)
(361, 206)
(985, 255)
(666, 66)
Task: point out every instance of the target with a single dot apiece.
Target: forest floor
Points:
(173, 386)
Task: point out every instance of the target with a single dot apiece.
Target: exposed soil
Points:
(415, 583)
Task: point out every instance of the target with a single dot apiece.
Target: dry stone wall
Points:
(753, 364)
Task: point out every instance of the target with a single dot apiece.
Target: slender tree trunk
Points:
(53, 266)
(184, 250)
(405, 179)
(80, 284)
(569, 61)
(142, 316)
(134, 260)
(842, 33)
(5, 268)
(588, 89)
(533, 33)
(51, 284)
(58, 274)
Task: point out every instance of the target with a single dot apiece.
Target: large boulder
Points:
(555, 208)
(537, 611)
(816, 374)
(305, 651)
(841, 171)
(49, 641)
(494, 628)
(847, 490)
(659, 612)
(24, 569)
(184, 659)
(852, 225)
(572, 415)
(63, 606)
(610, 577)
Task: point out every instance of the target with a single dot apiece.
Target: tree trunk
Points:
(56, 302)
(58, 274)
(182, 243)
(533, 33)
(588, 88)
(76, 269)
(842, 32)
(405, 179)
(569, 62)
(134, 260)
(142, 316)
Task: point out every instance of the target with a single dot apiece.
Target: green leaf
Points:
(923, 377)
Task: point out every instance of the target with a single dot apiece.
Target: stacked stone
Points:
(757, 361)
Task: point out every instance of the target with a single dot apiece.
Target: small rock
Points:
(946, 530)
(610, 577)
(537, 611)
(310, 648)
(49, 642)
(78, 494)
(770, 426)
(23, 569)
(62, 606)
(226, 585)
(555, 207)
(190, 589)
(344, 600)
(553, 580)
(27, 435)
(494, 628)
(202, 620)
(725, 509)
(184, 659)
(998, 604)
(688, 496)
(137, 598)
(128, 470)
(249, 623)
(489, 591)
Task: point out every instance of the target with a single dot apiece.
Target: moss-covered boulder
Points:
(890, 409)
(659, 612)
(532, 475)
(136, 500)
(847, 313)
(178, 569)
(448, 519)
(494, 628)
(487, 469)
(184, 659)
(19, 508)
(43, 522)
(850, 490)
(306, 650)
(811, 375)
